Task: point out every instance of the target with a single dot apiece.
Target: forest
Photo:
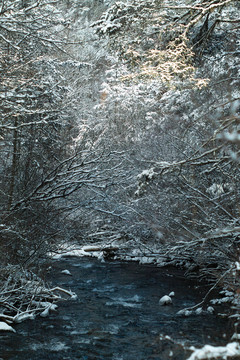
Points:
(119, 126)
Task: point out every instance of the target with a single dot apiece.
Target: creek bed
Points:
(116, 316)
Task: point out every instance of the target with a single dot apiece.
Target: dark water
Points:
(116, 316)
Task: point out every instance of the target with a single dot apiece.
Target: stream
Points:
(116, 316)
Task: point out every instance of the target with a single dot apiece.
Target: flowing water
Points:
(116, 316)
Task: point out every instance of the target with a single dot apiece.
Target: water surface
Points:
(116, 316)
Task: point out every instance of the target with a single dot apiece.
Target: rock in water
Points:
(66, 272)
(199, 311)
(210, 309)
(165, 300)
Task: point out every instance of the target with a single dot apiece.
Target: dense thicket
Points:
(176, 110)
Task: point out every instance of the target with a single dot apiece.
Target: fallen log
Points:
(99, 248)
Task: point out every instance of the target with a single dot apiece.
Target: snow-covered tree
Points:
(171, 100)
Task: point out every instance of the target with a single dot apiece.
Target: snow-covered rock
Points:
(199, 311)
(210, 309)
(66, 272)
(184, 312)
(6, 327)
(172, 293)
(74, 296)
(165, 300)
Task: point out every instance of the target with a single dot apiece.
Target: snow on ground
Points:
(214, 352)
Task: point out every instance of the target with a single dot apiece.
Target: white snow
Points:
(237, 265)
(165, 300)
(6, 327)
(148, 174)
(210, 309)
(71, 250)
(199, 311)
(226, 299)
(45, 312)
(45, 304)
(24, 316)
(235, 337)
(74, 296)
(231, 136)
(48, 307)
(212, 352)
(172, 293)
(215, 189)
(184, 312)
(227, 292)
(66, 272)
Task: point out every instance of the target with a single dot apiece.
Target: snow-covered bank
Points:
(126, 251)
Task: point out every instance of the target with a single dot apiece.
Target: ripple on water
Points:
(116, 316)
(105, 289)
(52, 346)
(82, 265)
(132, 302)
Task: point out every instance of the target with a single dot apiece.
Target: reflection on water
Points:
(116, 316)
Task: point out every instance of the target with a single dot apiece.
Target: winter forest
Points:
(119, 128)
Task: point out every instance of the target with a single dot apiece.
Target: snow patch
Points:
(184, 312)
(235, 337)
(212, 352)
(199, 311)
(66, 272)
(6, 327)
(165, 300)
(22, 317)
(210, 309)
(215, 189)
